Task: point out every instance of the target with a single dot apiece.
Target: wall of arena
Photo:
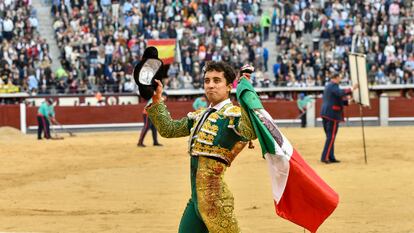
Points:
(127, 111)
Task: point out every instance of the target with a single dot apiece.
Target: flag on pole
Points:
(299, 194)
(166, 49)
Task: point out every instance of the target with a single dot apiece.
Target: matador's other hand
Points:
(246, 76)
(157, 97)
(246, 71)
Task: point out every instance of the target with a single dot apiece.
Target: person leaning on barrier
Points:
(200, 103)
(302, 102)
(45, 116)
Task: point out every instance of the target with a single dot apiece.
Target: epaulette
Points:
(233, 111)
(195, 114)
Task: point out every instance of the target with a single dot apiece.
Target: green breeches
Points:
(211, 207)
(191, 221)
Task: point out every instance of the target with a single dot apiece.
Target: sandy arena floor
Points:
(101, 182)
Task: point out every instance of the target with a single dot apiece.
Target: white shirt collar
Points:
(221, 104)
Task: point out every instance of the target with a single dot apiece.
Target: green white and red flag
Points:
(299, 194)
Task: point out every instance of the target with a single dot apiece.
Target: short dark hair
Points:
(335, 74)
(220, 66)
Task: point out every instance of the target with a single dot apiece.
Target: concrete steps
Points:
(267, 5)
(46, 31)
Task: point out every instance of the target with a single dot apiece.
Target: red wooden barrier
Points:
(279, 109)
(10, 116)
(353, 109)
(401, 107)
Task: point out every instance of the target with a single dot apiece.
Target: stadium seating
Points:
(101, 41)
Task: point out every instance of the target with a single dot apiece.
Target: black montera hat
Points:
(146, 71)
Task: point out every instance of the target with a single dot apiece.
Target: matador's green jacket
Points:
(212, 149)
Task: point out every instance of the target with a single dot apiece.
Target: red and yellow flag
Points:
(166, 49)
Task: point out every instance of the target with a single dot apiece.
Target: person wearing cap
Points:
(45, 115)
(200, 103)
(216, 136)
(301, 103)
(334, 100)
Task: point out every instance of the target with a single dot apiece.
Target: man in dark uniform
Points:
(334, 100)
(149, 125)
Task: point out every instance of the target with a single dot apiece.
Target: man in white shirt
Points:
(8, 27)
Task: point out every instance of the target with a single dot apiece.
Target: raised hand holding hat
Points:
(149, 69)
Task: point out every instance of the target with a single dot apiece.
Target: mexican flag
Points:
(299, 194)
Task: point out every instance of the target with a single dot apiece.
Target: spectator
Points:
(200, 103)
(8, 27)
(114, 32)
(174, 83)
(265, 58)
(265, 23)
(61, 87)
(128, 85)
(173, 70)
(33, 83)
(186, 81)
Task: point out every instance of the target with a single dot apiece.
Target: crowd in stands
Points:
(24, 55)
(102, 40)
(381, 29)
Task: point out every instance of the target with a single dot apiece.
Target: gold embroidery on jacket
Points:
(213, 117)
(210, 150)
(195, 115)
(208, 131)
(233, 111)
(166, 126)
(205, 138)
(194, 135)
(201, 149)
(215, 201)
(208, 127)
(203, 141)
(245, 127)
